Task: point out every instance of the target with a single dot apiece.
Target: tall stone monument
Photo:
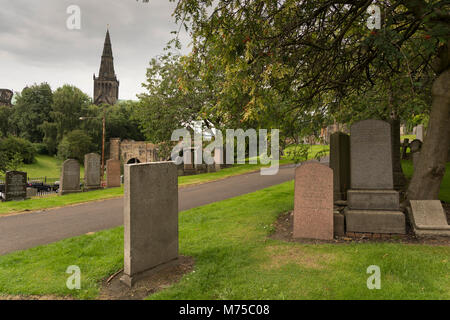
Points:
(313, 202)
(92, 174)
(70, 177)
(112, 173)
(15, 186)
(150, 219)
(340, 163)
(373, 204)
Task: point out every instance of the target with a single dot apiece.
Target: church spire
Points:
(106, 86)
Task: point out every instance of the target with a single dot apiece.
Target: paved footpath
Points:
(23, 231)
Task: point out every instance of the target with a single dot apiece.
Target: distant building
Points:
(106, 85)
(6, 96)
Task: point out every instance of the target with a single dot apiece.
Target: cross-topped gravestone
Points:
(313, 204)
(15, 186)
(150, 219)
(70, 177)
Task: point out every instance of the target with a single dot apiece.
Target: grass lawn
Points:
(49, 163)
(235, 260)
(45, 166)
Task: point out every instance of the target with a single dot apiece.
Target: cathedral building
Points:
(106, 85)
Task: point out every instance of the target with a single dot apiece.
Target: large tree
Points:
(32, 109)
(317, 53)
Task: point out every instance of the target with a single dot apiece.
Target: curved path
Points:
(22, 231)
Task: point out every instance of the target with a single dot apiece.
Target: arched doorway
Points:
(133, 160)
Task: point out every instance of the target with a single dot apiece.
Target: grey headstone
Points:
(428, 217)
(371, 155)
(15, 186)
(150, 218)
(92, 168)
(31, 192)
(70, 177)
(340, 163)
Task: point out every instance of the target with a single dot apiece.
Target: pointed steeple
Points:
(106, 86)
(107, 64)
(107, 49)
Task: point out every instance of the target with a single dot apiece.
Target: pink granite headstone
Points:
(313, 203)
(112, 173)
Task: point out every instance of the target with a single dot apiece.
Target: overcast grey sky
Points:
(36, 45)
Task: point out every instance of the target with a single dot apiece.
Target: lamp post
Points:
(103, 141)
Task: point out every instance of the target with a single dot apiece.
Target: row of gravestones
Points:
(360, 177)
(151, 199)
(70, 174)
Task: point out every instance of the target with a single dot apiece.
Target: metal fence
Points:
(45, 186)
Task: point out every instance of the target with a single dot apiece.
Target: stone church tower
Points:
(106, 86)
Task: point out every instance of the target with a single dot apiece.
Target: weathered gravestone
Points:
(313, 202)
(150, 219)
(373, 204)
(92, 174)
(31, 192)
(15, 186)
(70, 177)
(112, 173)
(420, 131)
(428, 218)
(340, 163)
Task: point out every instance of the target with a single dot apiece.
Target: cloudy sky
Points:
(36, 45)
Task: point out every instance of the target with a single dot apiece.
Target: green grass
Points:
(45, 166)
(234, 259)
(444, 194)
(411, 137)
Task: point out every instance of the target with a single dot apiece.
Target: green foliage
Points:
(32, 109)
(297, 153)
(75, 145)
(10, 162)
(311, 63)
(13, 145)
(122, 123)
(68, 106)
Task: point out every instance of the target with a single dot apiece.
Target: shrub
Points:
(75, 145)
(11, 146)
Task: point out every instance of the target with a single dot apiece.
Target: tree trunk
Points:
(427, 178)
